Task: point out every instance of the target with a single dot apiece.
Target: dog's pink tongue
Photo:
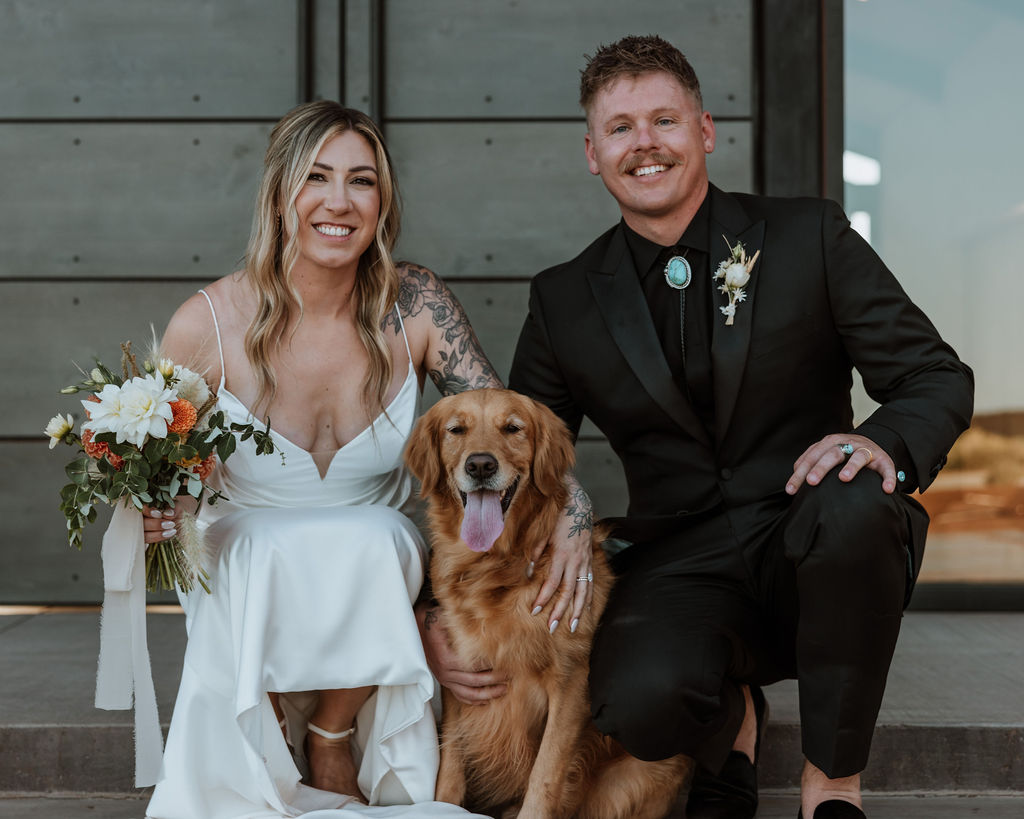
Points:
(482, 521)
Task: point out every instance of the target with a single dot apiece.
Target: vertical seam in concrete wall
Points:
(377, 59)
(833, 99)
(790, 106)
(342, 56)
(757, 116)
(822, 102)
(305, 14)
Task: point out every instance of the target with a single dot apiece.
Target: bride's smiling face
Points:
(339, 204)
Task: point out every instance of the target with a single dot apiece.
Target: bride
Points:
(307, 652)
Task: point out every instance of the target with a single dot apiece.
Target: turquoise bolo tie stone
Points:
(677, 272)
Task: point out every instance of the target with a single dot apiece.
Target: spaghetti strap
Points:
(400, 324)
(220, 348)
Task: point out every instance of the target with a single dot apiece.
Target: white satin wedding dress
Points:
(312, 584)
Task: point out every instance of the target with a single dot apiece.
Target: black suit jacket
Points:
(819, 302)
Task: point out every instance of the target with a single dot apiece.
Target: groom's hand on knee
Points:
(855, 452)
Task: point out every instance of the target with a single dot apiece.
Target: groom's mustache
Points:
(631, 163)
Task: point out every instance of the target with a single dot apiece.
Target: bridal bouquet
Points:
(150, 436)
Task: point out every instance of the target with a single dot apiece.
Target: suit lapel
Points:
(730, 345)
(620, 299)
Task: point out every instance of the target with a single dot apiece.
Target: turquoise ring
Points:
(846, 449)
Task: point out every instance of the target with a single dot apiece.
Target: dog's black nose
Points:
(481, 465)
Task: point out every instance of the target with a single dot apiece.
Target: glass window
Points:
(933, 178)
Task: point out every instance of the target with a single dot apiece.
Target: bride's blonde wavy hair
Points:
(271, 254)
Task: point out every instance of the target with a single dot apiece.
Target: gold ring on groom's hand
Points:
(871, 455)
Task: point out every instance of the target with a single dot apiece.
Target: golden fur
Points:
(533, 751)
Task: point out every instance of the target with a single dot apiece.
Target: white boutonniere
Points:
(734, 273)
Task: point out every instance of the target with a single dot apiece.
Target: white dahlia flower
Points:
(137, 408)
(191, 386)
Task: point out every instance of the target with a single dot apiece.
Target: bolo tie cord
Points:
(672, 278)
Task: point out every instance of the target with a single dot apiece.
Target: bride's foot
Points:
(331, 767)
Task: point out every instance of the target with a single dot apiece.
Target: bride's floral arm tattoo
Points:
(459, 363)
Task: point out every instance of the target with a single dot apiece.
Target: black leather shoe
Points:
(835, 809)
(732, 792)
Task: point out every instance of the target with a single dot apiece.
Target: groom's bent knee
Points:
(849, 527)
(657, 711)
(849, 542)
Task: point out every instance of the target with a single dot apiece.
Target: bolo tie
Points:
(678, 274)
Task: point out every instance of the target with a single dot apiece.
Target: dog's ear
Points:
(553, 453)
(422, 452)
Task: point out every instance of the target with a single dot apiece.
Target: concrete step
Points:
(773, 806)
(952, 719)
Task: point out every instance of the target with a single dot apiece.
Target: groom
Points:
(711, 337)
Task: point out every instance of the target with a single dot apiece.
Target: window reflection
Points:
(932, 179)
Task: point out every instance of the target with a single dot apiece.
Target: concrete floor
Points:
(781, 806)
(949, 669)
(952, 721)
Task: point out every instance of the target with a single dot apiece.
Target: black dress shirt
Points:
(692, 376)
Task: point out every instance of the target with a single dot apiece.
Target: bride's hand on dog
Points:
(571, 561)
(471, 687)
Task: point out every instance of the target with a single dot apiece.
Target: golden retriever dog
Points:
(492, 465)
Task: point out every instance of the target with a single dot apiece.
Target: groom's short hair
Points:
(632, 56)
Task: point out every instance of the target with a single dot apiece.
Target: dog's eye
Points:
(457, 430)
(512, 429)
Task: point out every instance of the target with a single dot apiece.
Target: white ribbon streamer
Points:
(124, 673)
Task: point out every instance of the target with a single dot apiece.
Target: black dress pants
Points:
(811, 587)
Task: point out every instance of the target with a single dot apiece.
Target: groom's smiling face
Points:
(647, 138)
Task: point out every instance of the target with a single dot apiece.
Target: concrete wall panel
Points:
(128, 200)
(326, 29)
(114, 59)
(467, 59)
(510, 199)
(59, 324)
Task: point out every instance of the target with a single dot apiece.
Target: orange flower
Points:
(98, 449)
(201, 468)
(206, 467)
(185, 416)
